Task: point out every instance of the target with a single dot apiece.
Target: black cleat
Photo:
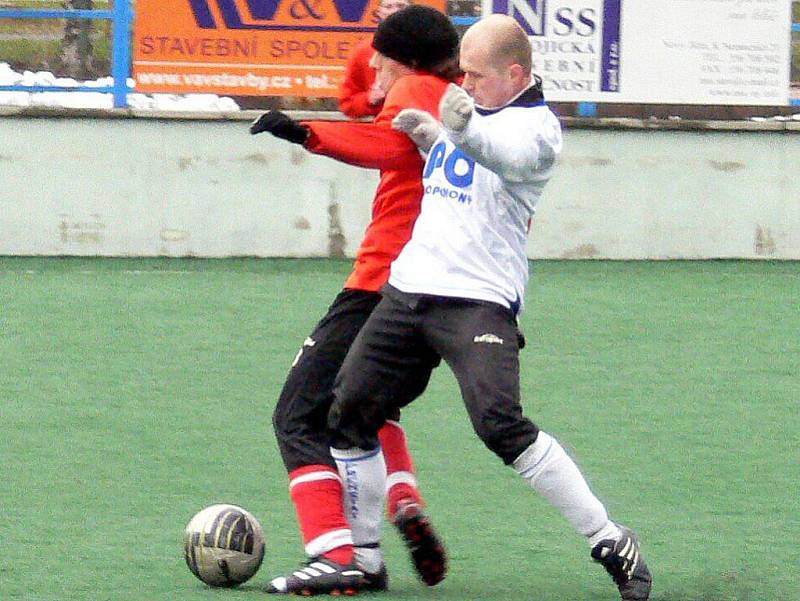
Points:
(427, 551)
(624, 562)
(376, 582)
(320, 576)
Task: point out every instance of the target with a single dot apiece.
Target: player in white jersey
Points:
(456, 288)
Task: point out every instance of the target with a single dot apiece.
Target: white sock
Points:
(551, 473)
(610, 531)
(369, 559)
(363, 476)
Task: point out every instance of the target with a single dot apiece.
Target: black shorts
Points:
(391, 360)
(300, 416)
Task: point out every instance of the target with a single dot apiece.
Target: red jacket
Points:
(376, 145)
(358, 79)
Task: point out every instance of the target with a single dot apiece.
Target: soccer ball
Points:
(223, 545)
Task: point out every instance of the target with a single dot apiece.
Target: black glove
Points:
(280, 126)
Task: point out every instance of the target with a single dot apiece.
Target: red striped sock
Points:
(399, 462)
(316, 492)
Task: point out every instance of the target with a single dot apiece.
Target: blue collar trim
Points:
(529, 98)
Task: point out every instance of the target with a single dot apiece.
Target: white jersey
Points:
(481, 188)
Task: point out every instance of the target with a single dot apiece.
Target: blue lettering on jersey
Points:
(437, 159)
(464, 180)
(446, 192)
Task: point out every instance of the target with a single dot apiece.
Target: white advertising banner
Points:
(658, 51)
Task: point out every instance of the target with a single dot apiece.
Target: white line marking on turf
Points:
(164, 272)
(90, 272)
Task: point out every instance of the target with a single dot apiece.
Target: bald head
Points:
(504, 40)
(495, 57)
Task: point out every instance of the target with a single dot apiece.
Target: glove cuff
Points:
(299, 134)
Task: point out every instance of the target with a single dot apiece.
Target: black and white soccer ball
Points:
(223, 545)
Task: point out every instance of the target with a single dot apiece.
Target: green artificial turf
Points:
(135, 392)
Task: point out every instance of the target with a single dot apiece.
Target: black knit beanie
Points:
(418, 36)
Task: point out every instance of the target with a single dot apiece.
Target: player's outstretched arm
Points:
(361, 144)
(281, 126)
(517, 149)
(456, 108)
(419, 125)
(367, 145)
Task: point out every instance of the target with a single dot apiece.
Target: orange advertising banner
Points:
(249, 47)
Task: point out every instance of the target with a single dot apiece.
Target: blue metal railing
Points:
(795, 101)
(464, 20)
(120, 16)
(44, 13)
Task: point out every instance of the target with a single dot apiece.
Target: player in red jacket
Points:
(360, 95)
(415, 59)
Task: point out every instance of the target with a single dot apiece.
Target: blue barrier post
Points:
(121, 20)
(121, 51)
(795, 101)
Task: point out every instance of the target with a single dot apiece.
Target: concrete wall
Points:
(145, 187)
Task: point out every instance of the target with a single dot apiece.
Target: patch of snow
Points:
(100, 100)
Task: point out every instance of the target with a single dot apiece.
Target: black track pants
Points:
(390, 362)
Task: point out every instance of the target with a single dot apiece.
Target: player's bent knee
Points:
(288, 417)
(507, 443)
(354, 422)
(279, 422)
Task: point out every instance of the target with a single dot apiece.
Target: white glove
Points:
(420, 126)
(456, 108)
